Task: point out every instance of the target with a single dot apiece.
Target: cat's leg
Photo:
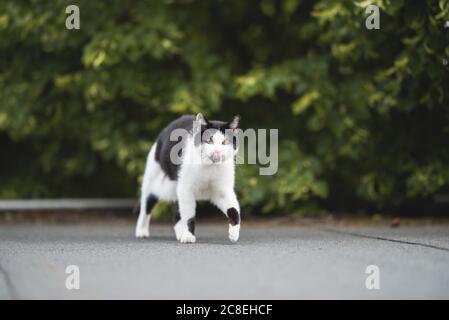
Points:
(147, 202)
(143, 222)
(185, 226)
(176, 219)
(227, 202)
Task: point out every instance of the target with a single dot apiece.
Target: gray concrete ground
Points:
(269, 262)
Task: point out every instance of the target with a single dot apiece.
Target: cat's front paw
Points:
(179, 229)
(234, 232)
(142, 232)
(187, 237)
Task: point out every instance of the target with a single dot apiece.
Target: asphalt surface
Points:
(269, 262)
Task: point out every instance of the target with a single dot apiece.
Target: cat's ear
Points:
(234, 123)
(200, 119)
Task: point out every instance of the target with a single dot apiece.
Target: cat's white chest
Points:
(205, 181)
(203, 192)
(205, 184)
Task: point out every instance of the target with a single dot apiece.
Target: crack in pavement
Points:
(9, 286)
(360, 235)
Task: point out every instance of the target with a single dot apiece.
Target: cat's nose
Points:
(216, 155)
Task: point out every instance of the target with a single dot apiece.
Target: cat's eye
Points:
(210, 141)
(225, 141)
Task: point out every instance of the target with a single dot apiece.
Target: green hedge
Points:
(363, 114)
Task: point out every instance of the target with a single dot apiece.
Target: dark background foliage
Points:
(362, 114)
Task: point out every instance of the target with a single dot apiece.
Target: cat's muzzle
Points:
(216, 156)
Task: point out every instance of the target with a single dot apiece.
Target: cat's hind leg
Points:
(148, 198)
(147, 203)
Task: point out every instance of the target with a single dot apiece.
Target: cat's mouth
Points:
(216, 158)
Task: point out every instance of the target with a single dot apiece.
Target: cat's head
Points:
(218, 139)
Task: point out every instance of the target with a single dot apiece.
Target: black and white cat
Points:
(198, 165)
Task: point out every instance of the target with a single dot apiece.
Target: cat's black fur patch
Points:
(191, 225)
(164, 145)
(233, 216)
(177, 215)
(151, 201)
(190, 222)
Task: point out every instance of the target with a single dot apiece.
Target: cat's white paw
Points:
(234, 232)
(178, 230)
(142, 232)
(187, 237)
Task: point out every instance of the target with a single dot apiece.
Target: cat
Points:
(198, 165)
